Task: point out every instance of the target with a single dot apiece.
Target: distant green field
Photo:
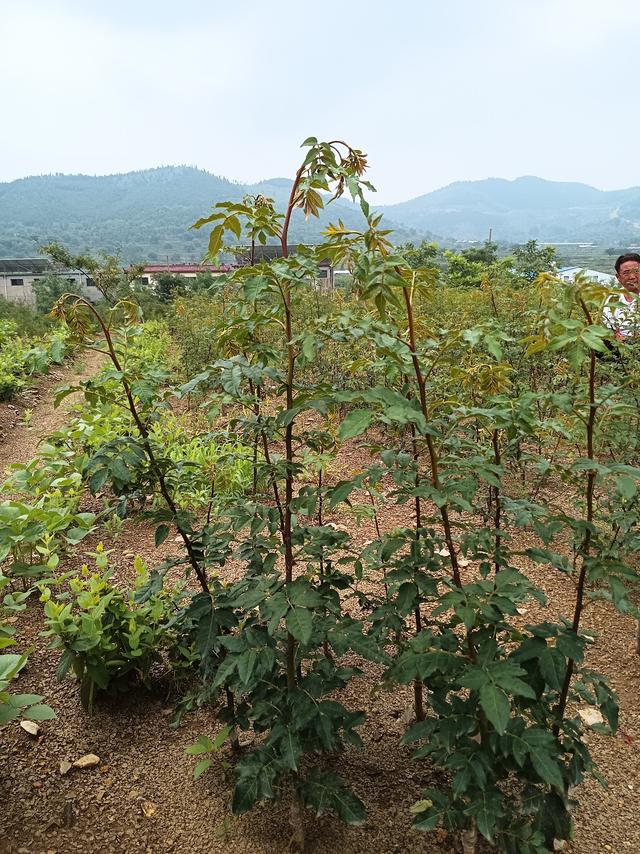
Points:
(591, 257)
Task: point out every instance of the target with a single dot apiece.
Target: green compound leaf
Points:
(496, 707)
(355, 423)
(323, 791)
(299, 622)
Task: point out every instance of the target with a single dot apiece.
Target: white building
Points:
(186, 271)
(568, 274)
(17, 276)
(325, 274)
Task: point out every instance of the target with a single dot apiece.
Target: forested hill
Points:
(146, 215)
(524, 209)
(139, 215)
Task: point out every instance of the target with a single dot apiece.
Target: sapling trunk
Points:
(288, 436)
(494, 305)
(297, 842)
(585, 545)
(296, 816)
(418, 688)
(497, 504)
(261, 436)
(434, 462)
(376, 520)
(469, 838)
(287, 536)
(212, 495)
(288, 498)
(431, 448)
(320, 517)
(325, 644)
(144, 434)
(274, 483)
(256, 442)
(295, 198)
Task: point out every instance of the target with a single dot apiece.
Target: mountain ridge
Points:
(523, 208)
(145, 214)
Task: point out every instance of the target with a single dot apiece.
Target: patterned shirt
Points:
(620, 314)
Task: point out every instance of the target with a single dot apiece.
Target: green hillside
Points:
(141, 216)
(524, 209)
(145, 215)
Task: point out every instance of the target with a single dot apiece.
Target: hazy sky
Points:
(434, 90)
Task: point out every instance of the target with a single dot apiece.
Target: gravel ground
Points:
(141, 795)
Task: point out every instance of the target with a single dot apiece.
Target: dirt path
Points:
(31, 416)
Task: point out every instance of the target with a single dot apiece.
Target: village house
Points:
(325, 275)
(187, 271)
(18, 275)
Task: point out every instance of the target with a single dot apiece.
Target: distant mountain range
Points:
(524, 209)
(145, 215)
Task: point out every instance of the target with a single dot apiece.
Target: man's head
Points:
(628, 271)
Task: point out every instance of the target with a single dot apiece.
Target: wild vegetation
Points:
(485, 408)
(23, 357)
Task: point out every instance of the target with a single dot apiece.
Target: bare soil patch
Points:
(30, 417)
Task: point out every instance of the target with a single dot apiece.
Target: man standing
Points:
(621, 315)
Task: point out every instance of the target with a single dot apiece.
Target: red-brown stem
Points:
(586, 540)
(433, 458)
(255, 393)
(325, 644)
(276, 491)
(497, 510)
(418, 689)
(433, 455)
(142, 428)
(144, 433)
(492, 298)
(288, 435)
(288, 444)
(284, 234)
(320, 519)
(212, 496)
(417, 685)
(376, 522)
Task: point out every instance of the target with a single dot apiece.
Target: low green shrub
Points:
(109, 638)
(42, 519)
(13, 706)
(55, 475)
(202, 467)
(205, 468)
(32, 535)
(21, 358)
(25, 317)
(194, 328)
(150, 345)
(10, 384)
